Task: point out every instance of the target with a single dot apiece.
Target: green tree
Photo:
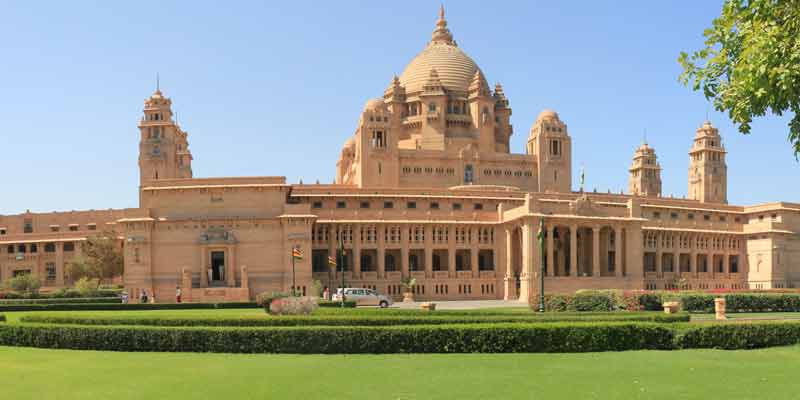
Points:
(101, 259)
(25, 284)
(751, 63)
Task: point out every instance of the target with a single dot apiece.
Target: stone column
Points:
(59, 263)
(618, 256)
(380, 230)
(356, 251)
(693, 256)
(428, 251)
(451, 253)
(203, 267)
(527, 262)
(659, 266)
(573, 250)
(473, 253)
(549, 246)
(726, 269)
(404, 232)
(595, 251)
(230, 270)
(509, 280)
(676, 263)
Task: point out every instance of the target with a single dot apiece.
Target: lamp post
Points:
(541, 266)
(341, 262)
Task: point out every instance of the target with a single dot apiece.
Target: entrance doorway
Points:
(217, 266)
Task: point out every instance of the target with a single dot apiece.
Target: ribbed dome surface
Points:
(455, 68)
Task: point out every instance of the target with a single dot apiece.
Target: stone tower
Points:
(163, 146)
(552, 146)
(708, 173)
(645, 173)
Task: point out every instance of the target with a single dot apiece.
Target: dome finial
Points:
(441, 34)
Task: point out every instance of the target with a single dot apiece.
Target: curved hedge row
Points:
(483, 338)
(349, 320)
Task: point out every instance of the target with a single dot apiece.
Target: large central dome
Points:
(454, 67)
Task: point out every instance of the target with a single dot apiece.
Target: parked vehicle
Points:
(363, 297)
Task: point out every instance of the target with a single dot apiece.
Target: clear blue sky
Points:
(276, 88)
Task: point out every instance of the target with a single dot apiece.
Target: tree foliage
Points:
(751, 63)
(24, 284)
(101, 259)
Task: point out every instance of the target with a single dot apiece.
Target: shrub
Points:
(331, 304)
(555, 302)
(2, 318)
(25, 284)
(593, 301)
(292, 306)
(266, 298)
(484, 338)
(700, 303)
(87, 287)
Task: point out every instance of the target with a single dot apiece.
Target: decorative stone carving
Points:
(217, 235)
(582, 206)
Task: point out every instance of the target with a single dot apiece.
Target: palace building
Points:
(428, 187)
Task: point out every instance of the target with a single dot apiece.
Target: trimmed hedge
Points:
(330, 320)
(124, 307)
(62, 300)
(484, 338)
(334, 304)
(738, 336)
(64, 293)
(696, 302)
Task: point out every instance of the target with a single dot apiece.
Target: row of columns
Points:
(405, 249)
(694, 252)
(528, 233)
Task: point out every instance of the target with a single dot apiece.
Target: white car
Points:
(363, 297)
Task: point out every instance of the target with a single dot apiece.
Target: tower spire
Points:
(158, 85)
(441, 34)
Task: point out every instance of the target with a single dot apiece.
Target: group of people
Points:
(144, 297)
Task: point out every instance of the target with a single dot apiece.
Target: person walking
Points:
(178, 294)
(326, 294)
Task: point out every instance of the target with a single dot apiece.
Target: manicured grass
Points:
(689, 374)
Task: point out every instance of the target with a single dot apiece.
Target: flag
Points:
(297, 254)
(540, 236)
(583, 177)
(331, 262)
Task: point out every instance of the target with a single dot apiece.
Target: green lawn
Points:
(691, 374)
